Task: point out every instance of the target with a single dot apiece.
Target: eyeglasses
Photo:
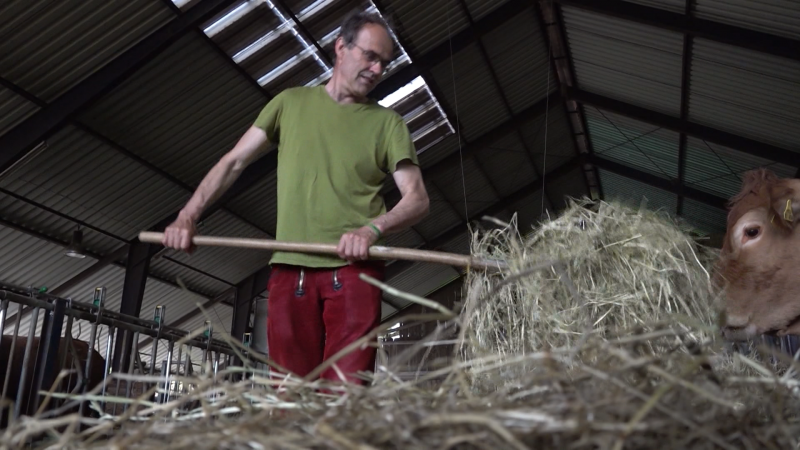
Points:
(373, 57)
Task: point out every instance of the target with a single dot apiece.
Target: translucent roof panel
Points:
(637, 194)
(288, 44)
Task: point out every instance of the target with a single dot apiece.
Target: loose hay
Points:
(588, 357)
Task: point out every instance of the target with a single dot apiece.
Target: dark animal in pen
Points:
(72, 352)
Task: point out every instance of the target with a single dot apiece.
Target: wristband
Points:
(375, 229)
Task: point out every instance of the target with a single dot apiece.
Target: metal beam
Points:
(672, 186)
(552, 26)
(136, 269)
(699, 28)
(730, 140)
(25, 136)
(246, 291)
(397, 267)
(686, 75)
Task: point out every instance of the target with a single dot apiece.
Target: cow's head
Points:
(759, 265)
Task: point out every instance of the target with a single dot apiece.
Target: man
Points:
(335, 148)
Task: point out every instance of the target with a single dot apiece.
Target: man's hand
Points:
(354, 245)
(179, 234)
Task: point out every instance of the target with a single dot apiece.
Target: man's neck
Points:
(335, 89)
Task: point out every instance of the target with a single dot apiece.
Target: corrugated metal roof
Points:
(47, 47)
(636, 194)
(529, 210)
(86, 179)
(507, 164)
(466, 184)
(571, 185)
(170, 271)
(230, 264)
(519, 56)
(421, 279)
(441, 150)
(678, 6)
(704, 218)
(460, 244)
(52, 226)
(480, 8)
(779, 17)
(634, 63)
(28, 261)
(406, 239)
(634, 143)
(442, 215)
(560, 145)
(15, 109)
(717, 169)
(182, 111)
(746, 93)
(465, 83)
(425, 24)
(259, 203)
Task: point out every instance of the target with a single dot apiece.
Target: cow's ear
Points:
(785, 198)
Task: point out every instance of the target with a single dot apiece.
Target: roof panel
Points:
(227, 263)
(464, 82)
(176, 273)
(182, 111)
(529, 210)
(28, 261)
(465, 186)
(560, 145)
(717, 169)
(704, 218)
(747, 93)
(636, 194)
(259, 203)
(56, 229)
(630, 62)
(637, 144)
(519, 56)
(84, 178)
(48, 47)
(424, 24)
(442, 215)
(779, 17)
(507, 164)
(406, 239)
(678, 6)
(570, 185)
(480, 8)
(15, 109)
(422, 279)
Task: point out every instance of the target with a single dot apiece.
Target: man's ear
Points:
(785, 202)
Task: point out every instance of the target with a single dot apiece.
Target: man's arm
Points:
(410, 210)
(218, 180)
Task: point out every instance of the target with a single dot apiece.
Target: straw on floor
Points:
(600, 336)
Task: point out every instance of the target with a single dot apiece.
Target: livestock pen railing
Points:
(41, 342)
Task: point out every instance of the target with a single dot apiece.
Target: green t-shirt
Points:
(332, 163)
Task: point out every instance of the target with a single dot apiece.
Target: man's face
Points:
(362, 64)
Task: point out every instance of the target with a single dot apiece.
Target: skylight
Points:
(420, 109)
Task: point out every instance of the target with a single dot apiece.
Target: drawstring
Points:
(336, 284)
(300, 292)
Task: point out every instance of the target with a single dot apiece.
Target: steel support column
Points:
(25, 136)
(132, 294)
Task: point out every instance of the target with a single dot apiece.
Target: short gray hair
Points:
(355, 21)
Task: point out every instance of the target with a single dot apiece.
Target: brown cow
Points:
(69, 384)
(759, 264)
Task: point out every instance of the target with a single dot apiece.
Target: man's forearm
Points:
(218, 180)
(409, 211)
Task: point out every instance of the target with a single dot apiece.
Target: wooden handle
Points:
(379, 252)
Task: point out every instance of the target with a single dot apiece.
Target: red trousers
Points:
(314, 313)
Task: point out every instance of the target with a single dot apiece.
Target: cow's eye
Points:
(752, 232)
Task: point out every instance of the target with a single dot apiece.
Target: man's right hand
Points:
(179, 234)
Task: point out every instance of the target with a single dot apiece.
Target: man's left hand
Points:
(354, 245)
